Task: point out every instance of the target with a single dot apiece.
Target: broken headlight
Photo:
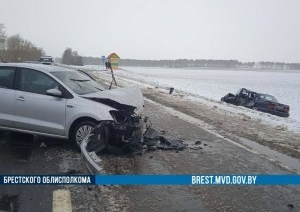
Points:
(119, 116)
(122, 117)
(125, 126)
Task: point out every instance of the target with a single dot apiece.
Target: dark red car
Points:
(257, 101)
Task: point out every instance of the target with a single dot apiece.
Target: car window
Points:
(36, 82)
(7, 77)
(267, 98)
(262, 97)
(244, 92)
(251, 95)
(270, 98)
(78, 82)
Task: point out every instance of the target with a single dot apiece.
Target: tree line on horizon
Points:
(201, 63)
(71, 57)
(17, 49)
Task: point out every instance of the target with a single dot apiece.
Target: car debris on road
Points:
(100, 139)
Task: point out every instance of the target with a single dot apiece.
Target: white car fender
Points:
(86, 108)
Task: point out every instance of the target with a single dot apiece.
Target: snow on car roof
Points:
(40, 67)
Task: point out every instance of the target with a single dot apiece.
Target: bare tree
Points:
(67, 56)
(2, 40)
(19, 49)
(70, 57)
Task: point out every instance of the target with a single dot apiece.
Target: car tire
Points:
(241, 102)
(254, 108)
(80, 131)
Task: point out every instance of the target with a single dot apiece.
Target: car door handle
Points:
(70, 106)
(21, 98)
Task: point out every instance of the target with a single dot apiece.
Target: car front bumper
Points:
(91, 159)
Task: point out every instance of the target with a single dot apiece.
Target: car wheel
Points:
(254, 108)
(81, 130)
(241, 102)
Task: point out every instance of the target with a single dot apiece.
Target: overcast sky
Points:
(253, 30)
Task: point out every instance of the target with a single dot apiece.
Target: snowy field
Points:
(208, 86)
(213, 84)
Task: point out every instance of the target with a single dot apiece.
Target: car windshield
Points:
(78, 82)
(238, 92)
(266, 97)
(46, 59)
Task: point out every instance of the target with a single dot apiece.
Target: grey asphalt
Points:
(216, 156)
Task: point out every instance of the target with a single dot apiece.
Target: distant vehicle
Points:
(257, 101)
(46, 60)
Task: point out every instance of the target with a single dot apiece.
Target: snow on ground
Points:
(208, 86)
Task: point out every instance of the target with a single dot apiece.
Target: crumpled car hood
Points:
(128, 96)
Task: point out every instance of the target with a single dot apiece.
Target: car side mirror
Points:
(54, 92)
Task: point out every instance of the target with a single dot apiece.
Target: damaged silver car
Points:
(64, 103)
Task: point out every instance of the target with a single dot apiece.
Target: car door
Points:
(6, 96)
(34, 109)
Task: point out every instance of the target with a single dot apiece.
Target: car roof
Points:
(248, 90)
(40, 67)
